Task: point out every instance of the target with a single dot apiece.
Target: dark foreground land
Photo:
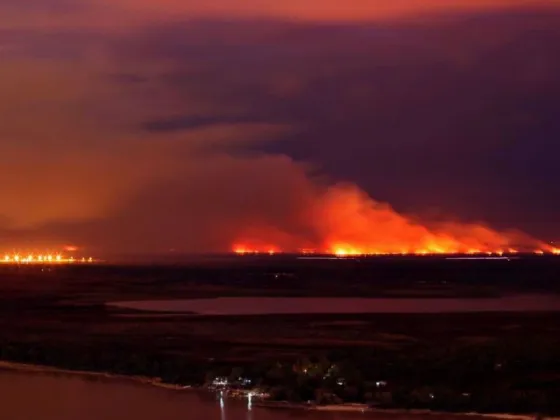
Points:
(488, 362)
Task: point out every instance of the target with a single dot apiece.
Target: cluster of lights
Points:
(43, 259)
(348, 251)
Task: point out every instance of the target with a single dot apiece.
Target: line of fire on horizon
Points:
(342, 252)
(47, 258)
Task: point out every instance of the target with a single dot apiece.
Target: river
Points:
(50, 396)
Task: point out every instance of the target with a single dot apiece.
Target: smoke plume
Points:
(344, 220)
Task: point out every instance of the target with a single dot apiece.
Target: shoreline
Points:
(270, 405)
(142, 380)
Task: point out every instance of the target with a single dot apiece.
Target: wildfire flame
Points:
(344, 221)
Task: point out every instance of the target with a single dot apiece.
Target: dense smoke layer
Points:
(346, 221)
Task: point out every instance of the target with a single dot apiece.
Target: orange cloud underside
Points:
(119, 14)
(322, 9)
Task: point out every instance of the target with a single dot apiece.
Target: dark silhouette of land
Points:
(488, 362)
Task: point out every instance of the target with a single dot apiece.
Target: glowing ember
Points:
(353, 252)
(244, 250)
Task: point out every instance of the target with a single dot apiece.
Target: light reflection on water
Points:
(26, 396)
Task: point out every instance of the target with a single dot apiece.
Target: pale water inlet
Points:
(311, 305)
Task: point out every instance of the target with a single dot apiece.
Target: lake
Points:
(310, 305)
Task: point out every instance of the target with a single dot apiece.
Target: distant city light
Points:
(46, 258)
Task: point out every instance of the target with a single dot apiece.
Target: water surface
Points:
(39, 396)
(310, 305)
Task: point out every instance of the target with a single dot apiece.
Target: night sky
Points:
(145, 126)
